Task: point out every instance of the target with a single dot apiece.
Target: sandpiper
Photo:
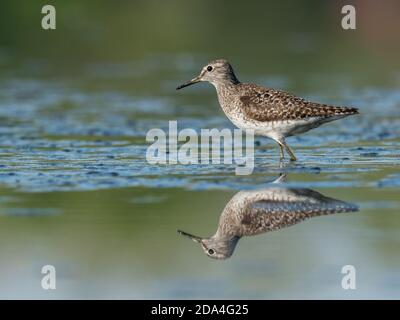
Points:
(271, 113)
(254, 212)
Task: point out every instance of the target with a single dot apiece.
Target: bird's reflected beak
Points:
(189, 83)
(190, 236)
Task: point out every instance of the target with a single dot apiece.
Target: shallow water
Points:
(76, 191)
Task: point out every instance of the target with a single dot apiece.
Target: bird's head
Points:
(215, 72)
(214, 247)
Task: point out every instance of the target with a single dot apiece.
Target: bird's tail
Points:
(343, 110)
(331, 113)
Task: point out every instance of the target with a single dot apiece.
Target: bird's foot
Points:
(282, 178)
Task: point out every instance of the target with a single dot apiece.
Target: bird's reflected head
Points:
(215, 247)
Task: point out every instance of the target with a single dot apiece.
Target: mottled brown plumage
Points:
(263, 104)
(272, 113)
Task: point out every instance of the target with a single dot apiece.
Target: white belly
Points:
(278, 129)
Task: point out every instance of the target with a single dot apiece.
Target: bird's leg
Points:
(281, 144)
(290, 152)
(282, 155)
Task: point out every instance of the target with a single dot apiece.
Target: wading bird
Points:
(271, 113)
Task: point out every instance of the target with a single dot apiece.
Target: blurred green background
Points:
(272, 36)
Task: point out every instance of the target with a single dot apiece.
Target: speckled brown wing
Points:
(264, 105)
(268, 215)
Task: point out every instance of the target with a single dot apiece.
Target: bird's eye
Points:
(209, 68)
(211, 251)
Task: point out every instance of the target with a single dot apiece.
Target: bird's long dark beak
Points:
(190, 236)
(189, 83)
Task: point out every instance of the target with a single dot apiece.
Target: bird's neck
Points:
(225, 90)
(228, 82)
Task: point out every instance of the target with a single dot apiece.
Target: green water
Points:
(76, 191)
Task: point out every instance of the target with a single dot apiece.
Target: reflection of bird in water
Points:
(254, 212)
